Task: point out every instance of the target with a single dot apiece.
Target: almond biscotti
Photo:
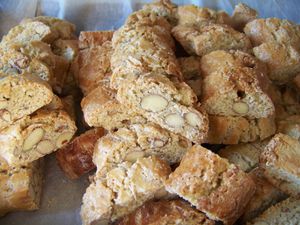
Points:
(75, 158)
(241, 15)
(159, 100)
(166, 212)
(234, 130)
(136, 141)
(276, 42)
(20, 187)
(35, 136)
(210, 37)
(123, 189)
(215, 187)
(21, 96)
(101, 109)
(265, 196)
(90, 39)
(285, 212)
(280, 161)
(290, 126)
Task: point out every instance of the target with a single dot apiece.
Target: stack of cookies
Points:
(34, 64)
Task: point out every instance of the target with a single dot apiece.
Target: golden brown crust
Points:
(210, 183)
(89, 39)
(242, 14)
(165, 212)
(75, 159)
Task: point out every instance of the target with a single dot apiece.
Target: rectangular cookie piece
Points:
(21, 96)
(20, 186)
(265, 196)
(210, 37)
(136, 141)
(101, 109)
(215, 187)
(160, 101)
(166, 212)
(234, 130)
(285, 212)
(280, 163)
(90, 39)
(75, 158)
(123, 189)
(35, 136)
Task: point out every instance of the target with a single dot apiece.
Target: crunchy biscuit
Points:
(242, 14)
(90, 39)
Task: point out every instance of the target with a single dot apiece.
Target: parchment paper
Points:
(61, 197)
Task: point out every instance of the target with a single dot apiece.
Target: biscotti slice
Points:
(210, 37)
(75, 158)
(234, 130)
(285, 212)
(245, 156)
(90, 39)
(241, 15)
(166, 212)
(123, 189)
(236, 92)
(215, 187)
(35, 136)
(25, 33)
(61, 29)
(191, 15)
(157, 99)
(136, 141)
(101, 109)
(191, 70)
(280, 163)
(20, 187)
(21, 96)
(265, 196)
(290, 126)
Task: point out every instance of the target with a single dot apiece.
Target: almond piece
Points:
(192, 119)
(33, 138)
(133, 156)
(5, 115)
(240, 107)
(174, 120)
(183, 143)
(45, 147)
(154, 103)
(158, 143)
(64, 138)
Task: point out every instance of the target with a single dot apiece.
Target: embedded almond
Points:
(64, 138)
(158, 143)
(193, 119)
(183, 143)
(174, 120)
(45, 147)
(154, 103)
(33, 138)
(133, 156)
(5, 115)
(240, 107)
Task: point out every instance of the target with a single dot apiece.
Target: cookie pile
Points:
(35, 57)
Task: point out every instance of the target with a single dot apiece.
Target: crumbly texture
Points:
(215, 187)
(285, 212)
(265, 196)
(191, 15)
(276, 42)
(242, 14)
(167, 106)
(245, 156)
(21, 96)
(290, 126)
(210, 37)
(144, 44)
(90, 39)
(123, 189)
(191, 71)
(136, 141)
(280, 163)
(76, 158)
(20, 186)
(35, 136)
(166, 212)
(101, 109)
(234, 130)
(235, 84)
